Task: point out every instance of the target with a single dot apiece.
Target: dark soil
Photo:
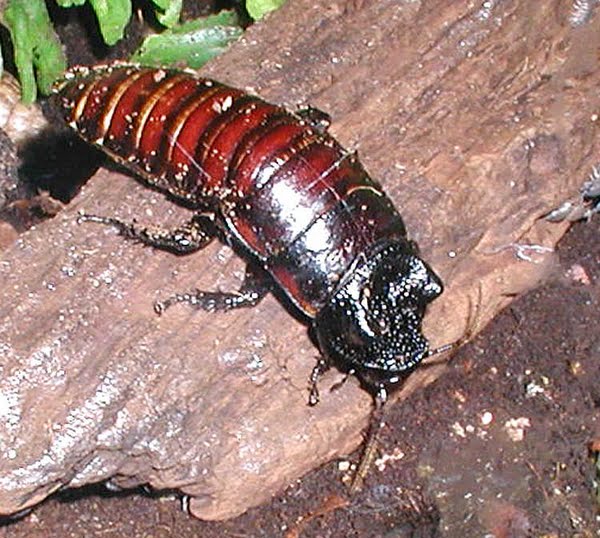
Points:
(499, 446)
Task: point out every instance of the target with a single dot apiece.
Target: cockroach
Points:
(310, 222)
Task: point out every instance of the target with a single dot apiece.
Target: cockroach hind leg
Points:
(190, 237)
(370, 445)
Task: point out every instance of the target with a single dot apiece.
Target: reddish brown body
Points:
(287, 192)
(282, 190)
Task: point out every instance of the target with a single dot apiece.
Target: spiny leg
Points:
(253, 289)
(320, 368)
(190, 237)
(347, 375)
(317, 119)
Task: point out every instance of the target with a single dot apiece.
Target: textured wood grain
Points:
(478, 119)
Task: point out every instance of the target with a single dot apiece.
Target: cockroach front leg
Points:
(317, 372)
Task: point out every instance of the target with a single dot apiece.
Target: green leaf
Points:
(37, 50)
(257, 9)
(70, 3)
(168, 11)
(113, 16)
(163, 5)
(192, 43)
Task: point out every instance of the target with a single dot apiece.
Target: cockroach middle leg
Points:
(253, 289)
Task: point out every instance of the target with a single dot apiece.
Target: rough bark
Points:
(477, 118)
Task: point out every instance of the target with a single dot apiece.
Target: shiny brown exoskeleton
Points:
(281, 191)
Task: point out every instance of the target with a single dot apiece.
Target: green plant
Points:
(40, 59)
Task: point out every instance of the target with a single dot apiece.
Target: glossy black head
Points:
(372, 324)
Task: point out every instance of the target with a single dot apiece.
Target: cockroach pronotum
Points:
(276, 186)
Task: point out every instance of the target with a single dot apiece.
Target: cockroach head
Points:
(372, 323)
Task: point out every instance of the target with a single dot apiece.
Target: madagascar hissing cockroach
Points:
(277, 187)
